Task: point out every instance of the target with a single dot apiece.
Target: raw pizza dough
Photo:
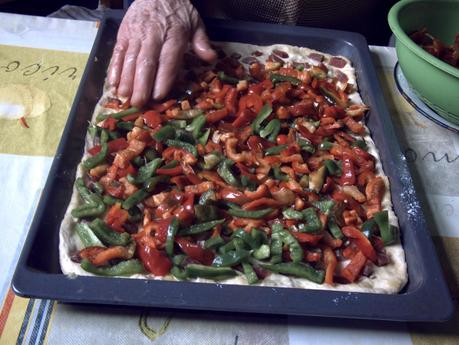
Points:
(388, 279)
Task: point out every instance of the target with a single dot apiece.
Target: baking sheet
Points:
(425, 297)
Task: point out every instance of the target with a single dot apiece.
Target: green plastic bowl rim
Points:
(409, 43)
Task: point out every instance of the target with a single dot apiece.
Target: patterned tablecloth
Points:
(41, 62)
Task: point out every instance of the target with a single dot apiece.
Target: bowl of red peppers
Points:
(427, 44)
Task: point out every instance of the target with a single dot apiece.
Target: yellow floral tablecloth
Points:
(41, 62)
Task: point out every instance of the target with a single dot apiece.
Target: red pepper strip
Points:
(352, 271)
(193, 178)
(252, 102)
(102, 258)
(353, 125)
(263, 202)
(113, 146)
(116, 217)
(349, 202)
(330, 265)
(109, 123)
(231, 100)
(244, 117)
(233, 195)
(123, 172)
(164, 106)
(216, 115)
(152, 118)
(304, 237)
(178, 170)
(114, 104)
(315, 139)
(213, 177)
(194, 251)
(154, 261)
(129, 118)
(90, 252)
(361, 241)
(160, 227)
(185, 212)
(348, 177)
(23, 122)
(181, 181)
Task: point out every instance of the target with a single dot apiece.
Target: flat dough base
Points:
(389, 279)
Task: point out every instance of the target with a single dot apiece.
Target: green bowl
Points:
(433, 80)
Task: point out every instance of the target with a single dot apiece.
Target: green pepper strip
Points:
(87, 236)
(188, 114)
(164, 133)
(107, 235)
(264, 113)
(272, 129)
(277, 78)
(333, 167)
(368, 228)
(124, 268)
(92, 130)
(134, 199)
(297, 269)
(178, 260)
(231, 258)
(291, 213)
(246, 237)
(306, 146)
(179, 273)
(109, 200)
(202, 227)
(213, 242)
(334, 229)
(226, 78)
(94, 205)
(181, 124)
(389, 233)
(172, 230)
(183, 145)
(150, 184)
(203, 138)
(275, 150)
(333, 96)
(249, 273)
(276, 243)
(209, 272)
(97, 159)
(207, 197)
(325, 206)
(119, 115)
(313, 223)
(147, 171)
(278, 175)
(211, 160)
(225, 172)
(360, 143)
(295, 249)
(196, 125)
(249, 214)
(263, 252)
(127, 126)
(325, 145)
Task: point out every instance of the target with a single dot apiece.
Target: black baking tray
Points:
(425, 297)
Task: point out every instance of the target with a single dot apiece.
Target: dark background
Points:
(368, 17)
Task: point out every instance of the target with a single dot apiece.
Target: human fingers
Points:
(201, 45)
(116, 64)
(145, 72)
(169, 61)
(128, 72)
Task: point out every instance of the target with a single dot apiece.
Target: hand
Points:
(151, 41)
